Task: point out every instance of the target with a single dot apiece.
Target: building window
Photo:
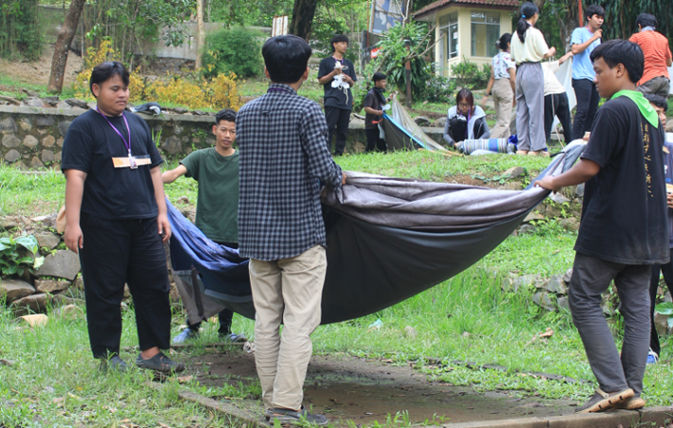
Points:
(485, 33)
(448, 31)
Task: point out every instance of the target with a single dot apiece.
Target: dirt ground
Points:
(346, 388)
(37, 72)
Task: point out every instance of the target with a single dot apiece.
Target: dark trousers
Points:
(337, 123)
(225, 316)
(587, 103)
(667, 270)
(557, 105)
(117, 252)
(374, 142)
(591, 277)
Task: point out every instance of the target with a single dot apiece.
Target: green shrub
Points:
(439, 89)
(20, 29)
(468, 75)
(17, 256)
(235, 50)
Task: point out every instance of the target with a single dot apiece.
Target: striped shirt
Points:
(284, 161)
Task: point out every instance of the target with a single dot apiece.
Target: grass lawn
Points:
(53, 381)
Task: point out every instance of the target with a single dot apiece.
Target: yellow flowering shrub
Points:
(93, 57)
(195, 93)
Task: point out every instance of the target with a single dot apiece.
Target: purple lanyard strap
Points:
(127, 144)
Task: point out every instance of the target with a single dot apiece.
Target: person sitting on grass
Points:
(623, 230)
(660, 106)
(465, 121)
(216, 170)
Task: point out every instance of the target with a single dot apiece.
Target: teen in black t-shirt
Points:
(116, 220)
(373, 105)
(337, 75)
(623, 230)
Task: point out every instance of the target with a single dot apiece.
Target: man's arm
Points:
(580, 173)
(164, 227)
(373, 111)
(173, 174)
(74, 189)
(581, 47)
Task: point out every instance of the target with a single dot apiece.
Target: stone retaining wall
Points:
(31, 136)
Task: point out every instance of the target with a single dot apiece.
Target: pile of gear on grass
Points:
(48, 275)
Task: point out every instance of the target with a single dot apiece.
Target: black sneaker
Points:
(160, 363)
(602, 400)
(292, 417)
(115, 363)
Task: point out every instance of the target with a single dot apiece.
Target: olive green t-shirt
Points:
(217, 202)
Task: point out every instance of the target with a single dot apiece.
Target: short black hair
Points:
(336, 39)
(106, 70)
(465, 94)
(226, 114)
(646, 20)
(504, 41)
(286, 58)
(594, 9)
(657, 100)
(379, 76)
(619, 51)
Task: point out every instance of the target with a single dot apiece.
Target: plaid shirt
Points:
(284, 160)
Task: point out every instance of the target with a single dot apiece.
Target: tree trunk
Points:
(200, 33)
(65, 36)
(302, 18)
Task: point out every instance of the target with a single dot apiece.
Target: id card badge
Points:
(133, 164)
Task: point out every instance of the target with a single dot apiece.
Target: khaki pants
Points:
(503, 98)
(288, 291)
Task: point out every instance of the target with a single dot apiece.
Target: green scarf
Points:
(643, 105)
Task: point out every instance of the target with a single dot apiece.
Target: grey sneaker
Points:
(602, 400)
(292, 417)
(160, 363)
(185, 335)
(114, 363)
(234, 337)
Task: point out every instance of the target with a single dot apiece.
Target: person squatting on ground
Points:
(373, 105)
(657, 54)
(337, 75)
(502, 85)
(582, 42)
(465, 120)
(116, 221)
(623, 230)
(284, 161)
(660, 106)
(528, 49)
(555, 99)
(216, 171)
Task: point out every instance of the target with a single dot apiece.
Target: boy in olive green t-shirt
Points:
(216, 170)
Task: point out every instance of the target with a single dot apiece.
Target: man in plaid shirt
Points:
(284, 161)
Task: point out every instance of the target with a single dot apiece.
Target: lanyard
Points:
(127, 144)
(132, 161)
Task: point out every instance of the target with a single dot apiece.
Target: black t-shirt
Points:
(373, 100)
(112, 193)
(337, 97)
(624, 210)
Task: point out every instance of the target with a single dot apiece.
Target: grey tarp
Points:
(389, 239)
(402, 132)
